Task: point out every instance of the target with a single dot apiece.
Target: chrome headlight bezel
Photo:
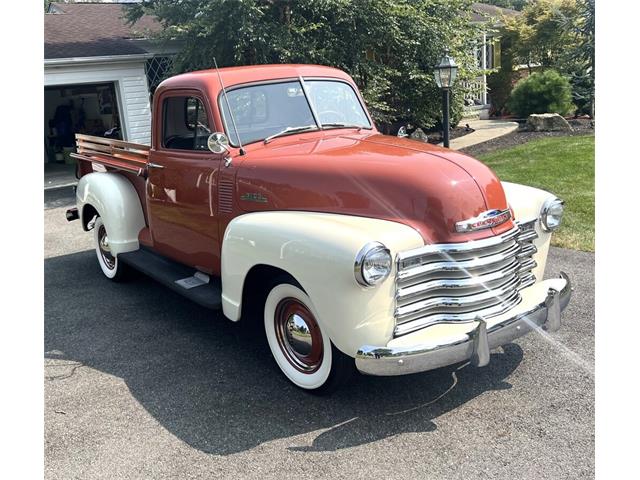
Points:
(547, 208)
(365, 253)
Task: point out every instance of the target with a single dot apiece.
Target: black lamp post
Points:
(445, 73)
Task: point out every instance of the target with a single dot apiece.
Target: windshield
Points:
(336, 103)
(276, 109)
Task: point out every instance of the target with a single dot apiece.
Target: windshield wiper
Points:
(342, 125)
(290, 130)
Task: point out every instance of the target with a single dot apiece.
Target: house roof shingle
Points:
(92, 30)
(483, 12)
(99, 29)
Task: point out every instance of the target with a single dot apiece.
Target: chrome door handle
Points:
(154, 165)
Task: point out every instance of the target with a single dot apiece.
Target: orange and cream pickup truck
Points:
(267, 192)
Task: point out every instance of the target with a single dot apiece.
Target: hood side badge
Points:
(488, 219)
(253, 197)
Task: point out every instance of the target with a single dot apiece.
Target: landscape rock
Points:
(418, 134)
(547, 122)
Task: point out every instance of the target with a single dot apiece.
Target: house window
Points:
(157, 69)
(488, 48)
(185, 124)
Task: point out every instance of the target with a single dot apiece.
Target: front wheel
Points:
(111, 267)
(302, 350)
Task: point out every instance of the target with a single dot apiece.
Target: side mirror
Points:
(218, 142)
(402, 132)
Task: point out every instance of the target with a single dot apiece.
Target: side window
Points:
(185, 124)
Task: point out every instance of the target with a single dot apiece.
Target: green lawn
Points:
(564, 166)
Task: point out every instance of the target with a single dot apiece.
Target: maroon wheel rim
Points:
(298, 335)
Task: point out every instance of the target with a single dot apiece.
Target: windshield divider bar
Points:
(311, 106)
(226, 99)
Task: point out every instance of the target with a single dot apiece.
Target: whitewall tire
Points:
(300, 347)
(109, 264)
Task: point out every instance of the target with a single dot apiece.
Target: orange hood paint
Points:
(372, 175)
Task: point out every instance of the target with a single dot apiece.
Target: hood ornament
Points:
(488, 219)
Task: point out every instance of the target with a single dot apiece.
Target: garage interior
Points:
(91, 109)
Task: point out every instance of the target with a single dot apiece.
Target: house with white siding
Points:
(98, 74)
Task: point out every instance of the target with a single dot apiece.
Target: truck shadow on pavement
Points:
(216, 388)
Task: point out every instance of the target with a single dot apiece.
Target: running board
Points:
(186, 281)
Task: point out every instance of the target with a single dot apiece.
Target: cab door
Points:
(182, 182)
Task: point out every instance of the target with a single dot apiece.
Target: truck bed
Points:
(116, 154)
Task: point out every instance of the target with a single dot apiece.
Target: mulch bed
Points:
(580, 126)
(435, 137)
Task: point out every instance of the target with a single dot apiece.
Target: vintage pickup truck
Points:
(268, 192)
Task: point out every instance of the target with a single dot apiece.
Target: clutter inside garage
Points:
(91, 109)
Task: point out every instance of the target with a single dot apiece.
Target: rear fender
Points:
(116, 201)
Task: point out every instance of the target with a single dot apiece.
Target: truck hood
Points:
(372, 175)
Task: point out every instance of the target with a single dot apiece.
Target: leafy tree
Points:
(538, 36)
(389, 47)
(542, 92)
(558, 34)
(580, 62)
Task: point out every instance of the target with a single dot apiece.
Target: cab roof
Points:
(208, 79)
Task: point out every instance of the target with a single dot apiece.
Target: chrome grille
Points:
(445, 283)
(527, 249)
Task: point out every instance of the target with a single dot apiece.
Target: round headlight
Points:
(551, 214)
(373, 264)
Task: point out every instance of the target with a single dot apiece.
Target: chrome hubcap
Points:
(105, 249)
(298, 335)
(104, 244)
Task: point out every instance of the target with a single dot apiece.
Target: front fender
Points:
(117, 202)
(319, 251)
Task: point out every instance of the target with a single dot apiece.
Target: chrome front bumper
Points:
(474, 346)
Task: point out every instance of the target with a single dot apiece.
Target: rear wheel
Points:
(300, 347)
(111, 267)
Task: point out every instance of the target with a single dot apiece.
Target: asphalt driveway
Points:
(140, 383)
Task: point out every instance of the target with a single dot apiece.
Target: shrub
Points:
(500, 85)
(545, 92)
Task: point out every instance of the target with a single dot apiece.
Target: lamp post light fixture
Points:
(445, 74)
